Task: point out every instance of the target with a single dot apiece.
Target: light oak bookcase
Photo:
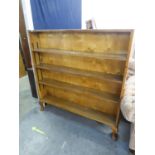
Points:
(82, 71)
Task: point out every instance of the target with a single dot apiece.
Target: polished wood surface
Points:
(75, 108)
(22, 71)
(82, 71)
(23, 37)
(100, 81)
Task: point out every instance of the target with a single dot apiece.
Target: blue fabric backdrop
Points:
(56, 14)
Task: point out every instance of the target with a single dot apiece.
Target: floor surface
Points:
(58, 132)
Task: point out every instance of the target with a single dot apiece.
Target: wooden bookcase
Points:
(82, 71)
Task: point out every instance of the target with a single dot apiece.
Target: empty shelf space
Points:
(80, 89)
(80, 110)
(81, 73)
(122, 56)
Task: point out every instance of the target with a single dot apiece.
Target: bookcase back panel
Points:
(95, 42)
(84, 99)
(91, 64)
(96, 82)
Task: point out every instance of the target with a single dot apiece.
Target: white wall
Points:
(27, 14)
(109, 14)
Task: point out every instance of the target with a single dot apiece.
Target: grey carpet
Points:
(69, 134)
(66, 133)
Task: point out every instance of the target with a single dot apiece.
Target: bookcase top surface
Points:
(84, 31)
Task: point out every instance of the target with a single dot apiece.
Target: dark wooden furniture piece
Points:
(82, 71)
(24, 49)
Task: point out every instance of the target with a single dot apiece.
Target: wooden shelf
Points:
(83, 31)
(81, 73)
(121, 56)
(80, 89)
(80, 110)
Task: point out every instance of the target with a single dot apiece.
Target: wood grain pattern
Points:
(84, 90)
(35, 60)
(100, 81)
(130, 50)
(82, 42)
(90, 64)
(77, 109)
(22, 71)
(82, 71)
(121, 55)
(78, 72)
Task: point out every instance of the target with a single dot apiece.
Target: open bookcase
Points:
(82, 71)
